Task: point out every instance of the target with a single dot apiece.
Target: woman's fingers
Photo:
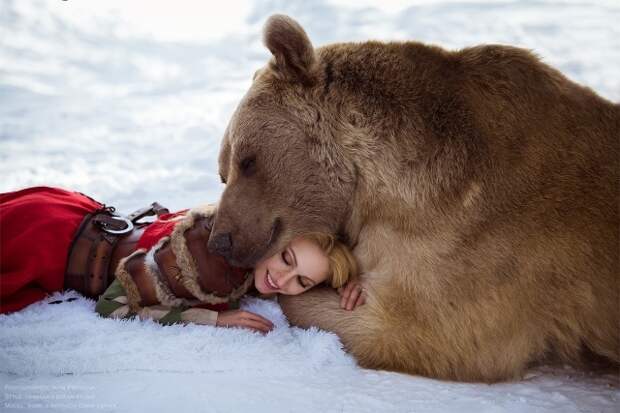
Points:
(245, 319)
(361, 299)
(259, 320)
(346, 293)
(255, 325)
(343, 296)
(353, 297)
(263, 321)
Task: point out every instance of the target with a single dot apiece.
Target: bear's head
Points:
(284, 171)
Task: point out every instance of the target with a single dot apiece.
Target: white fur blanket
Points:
(64, 357)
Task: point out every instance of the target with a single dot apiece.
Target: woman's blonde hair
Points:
(342, 263)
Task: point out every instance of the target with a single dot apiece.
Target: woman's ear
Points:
(293, 53)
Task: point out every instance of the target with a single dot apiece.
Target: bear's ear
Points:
(291, 48)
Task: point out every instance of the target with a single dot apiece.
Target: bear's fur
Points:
(479, 190)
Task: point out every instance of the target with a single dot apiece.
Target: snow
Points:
(64, 357)
(127, 102)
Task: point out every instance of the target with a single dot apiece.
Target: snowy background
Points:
(127, 100)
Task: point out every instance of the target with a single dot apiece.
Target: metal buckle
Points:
(125, 230)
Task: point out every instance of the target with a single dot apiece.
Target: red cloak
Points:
(37, 226)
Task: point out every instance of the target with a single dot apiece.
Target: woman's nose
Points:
(284, 277)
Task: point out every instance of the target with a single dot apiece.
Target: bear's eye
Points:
(248, 165)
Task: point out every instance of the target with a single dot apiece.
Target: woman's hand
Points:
(246, 319)
(352, 294)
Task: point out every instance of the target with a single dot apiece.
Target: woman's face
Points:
(301, 266)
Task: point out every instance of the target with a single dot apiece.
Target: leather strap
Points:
(154, 209)
(101, 241)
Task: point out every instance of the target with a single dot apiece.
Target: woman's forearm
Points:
(113, 304)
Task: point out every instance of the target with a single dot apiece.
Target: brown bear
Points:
(479, 190)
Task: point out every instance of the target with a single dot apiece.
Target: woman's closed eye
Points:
(286, 258)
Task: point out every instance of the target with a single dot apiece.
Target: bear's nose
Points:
(221, 244)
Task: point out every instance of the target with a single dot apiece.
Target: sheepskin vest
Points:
(179, 270)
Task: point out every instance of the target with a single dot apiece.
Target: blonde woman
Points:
(53, 239)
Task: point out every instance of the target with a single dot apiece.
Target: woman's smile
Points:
(300, 266)
(270, 282)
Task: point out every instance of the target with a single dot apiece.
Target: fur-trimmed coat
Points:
(171, 278)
